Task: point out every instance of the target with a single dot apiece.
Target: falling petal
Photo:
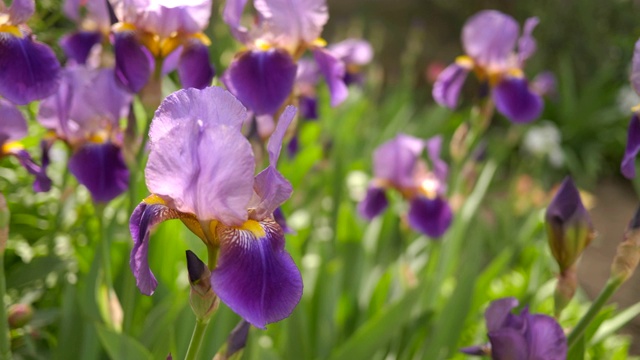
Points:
(333, 71)
(374, 203)
(194, 67)
(101, 168)
(77, 46)
(431, 217)
(446, 89)
(516, 101)
(134, 63)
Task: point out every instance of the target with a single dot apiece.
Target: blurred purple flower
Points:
(201, 171)
(94, 25)
(628, 165)
(85, 113)
(525, 336)
(28, 69)
(489, 39)
(397, 165)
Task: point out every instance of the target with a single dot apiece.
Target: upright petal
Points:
(78, 45)
(546, 338)
(516, 101)
(498, 311)
(194, 67)
(635, 68)
(489, 37)
(101, 168)
(21, 10)
(28, 69)
(431, 217)
(261, 80)
(527, 43)
(232, 14)
(333, 71)
(396, 160)
(134, 63)
(168, 17)
(293, 21)
(446, 89)
(374, 203)
(628, 165)
(13, 126)
(255, 276)
(275, 141)
(440, 168)
(353, 51)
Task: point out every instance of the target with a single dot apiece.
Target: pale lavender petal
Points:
(255, 276)
(78, 45)
(21, 10)
(545, 84)
(275, 141)
(446, 89)
(374, 203)
(13, 126)
(353, 51)
(167, 17)
(628, 165)
(261, 80)
(527, 43)
(232, 14)
(396, 160)
(293, 21)
(431, 217)
(546, 338)
(272, 189)
(134, 62)
(440, 168)
(516, 101)
(508, 344)
(308, 73)
(96, 11)
(194, 68)
(333, 70)
(101, 169)
(42, 182)
(170, 62)
(29, 70)
(635, 68)
(489, 37)
(498, 311)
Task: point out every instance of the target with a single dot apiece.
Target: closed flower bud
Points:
(203, 300)
(19, 315)
(628, 252)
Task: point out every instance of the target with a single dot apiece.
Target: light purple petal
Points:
(635, 68)
(77, 46)
(255, 276)
(476, 350)
(308, 73)
(508, 344)
(516, 101)
(42, 182)
(498, 311)
(489, 37)
(396, 160)
(431, 217)
(13, 125)
(374, 203)
(232, 14)
(275, 141)
(29, 70)
(353, 51)
(333, 71)
(293, 21)
(527, 43)
(446, 89)
(96, 11)
(546, 338)
(261, 80)
(21, 10)
(101, 169)
(194, 68)
(545, 84)
(272, 189)
(134, 62)
(628, 165)
(440, 168)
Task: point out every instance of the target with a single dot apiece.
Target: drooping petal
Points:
(546, 338)
(101, 168)
(508, 344)
(78, 45)
(21, 10)
(635, 68)
(232, 14)
(516, 101)
(134, 62)
(496, 314)
(261, 80)
(431, 217)
(446, 89)
(194, 67)
(628, 165)
(13, 125)
(353, 51)
(293, 21)
(489, 37)
(396, 160)
(374, 203)
(333, 71)
(278, 216)
(42, 182)
(527, 43)
(29, 70)
(255, 276)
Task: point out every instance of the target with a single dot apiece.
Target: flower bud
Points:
(568, 224)
(19, 315)
(203, 300)
(236, 342)
(628, 252)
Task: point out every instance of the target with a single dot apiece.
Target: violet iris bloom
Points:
(201, 171)
(262, 77)
(28, 69)
(523, 337)
(628, 165)
(13, 127)
(150, 31)
(397, 165)
(489, 39)
(85, 113)
(94, 25)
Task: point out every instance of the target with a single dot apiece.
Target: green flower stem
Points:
(196, 339)
(612, 285)
(5, 346)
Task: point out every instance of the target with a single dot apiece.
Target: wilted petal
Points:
(431, 217)
(194, 67)
(13, 125)
(261, 80)
(78, 45)
(255, 276)
(498, 311)
(527, 43)
(446, 89)
(396, 160)
(628, 165)
(353, 51)
(374, 203)
(508, 344)
(101, 168)
(489, 37)
(134, 62)
(28, 69)
(333, 71)
(516, 101)
(293, 21)
(21, 10)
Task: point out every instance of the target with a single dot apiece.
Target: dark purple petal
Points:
(78, 45)
(21, 10)
(546, 338)
(489, 37)
(255, 276)
(278, 216)
(13, 125)
(566, 205)
(374, 203)
(134, 62)
(635, 68)
(516, 101)
(308, 107)
(333, 71)
(396, 160)
(101, 168)
(194, 68)
(527, 43)
(29, 70)
(42, 182)
(477, 350)
(261, 80)
(508, 344)
(293, 146)
(498, 311)
(431, 217)
(446, 89)
(628, 165)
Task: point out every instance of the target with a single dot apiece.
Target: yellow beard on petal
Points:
(254, 227)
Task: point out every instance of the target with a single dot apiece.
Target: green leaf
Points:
(121, 346)
(610, 326)
(577, 351)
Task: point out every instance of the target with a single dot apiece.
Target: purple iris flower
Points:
(520, 337)
(201, 171)
(397, 165)
(94, 25)
(13, 127)
(85, 113)
(489, 39)
(151, 30)
(628, 165)
(263, 76)
(28, 69)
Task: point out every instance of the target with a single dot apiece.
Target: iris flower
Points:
(628, 165)
(28, 69)
(489, 39)
(262, 77)
(167, 30)
(524, 337)
(13, 127)
(85, 113)
(94, 25)
(201, 171)
(397, 165)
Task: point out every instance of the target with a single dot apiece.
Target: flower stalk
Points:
(5, 346)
